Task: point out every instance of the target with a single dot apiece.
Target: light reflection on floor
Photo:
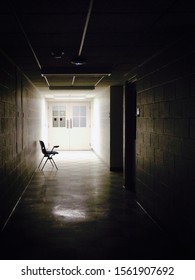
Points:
(82, 211)
(69, 214)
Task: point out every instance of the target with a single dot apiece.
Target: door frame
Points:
(68, 105)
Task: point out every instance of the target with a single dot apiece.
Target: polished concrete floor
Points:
(81, 212)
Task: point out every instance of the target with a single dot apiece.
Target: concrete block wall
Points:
(19, 134)
(165, 149)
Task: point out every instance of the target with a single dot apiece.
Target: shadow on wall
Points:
(166, 140)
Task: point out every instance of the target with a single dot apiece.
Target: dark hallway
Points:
(130, 66)
(81, 212)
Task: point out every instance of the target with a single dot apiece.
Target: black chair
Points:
(47, 154)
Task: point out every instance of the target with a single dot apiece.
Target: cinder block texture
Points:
(19, 132)
(166, 140)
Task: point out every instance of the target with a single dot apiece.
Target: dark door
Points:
(129, 135)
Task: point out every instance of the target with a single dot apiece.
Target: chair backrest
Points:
(43, 149)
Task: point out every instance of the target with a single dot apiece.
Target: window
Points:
(59, 116)
(79, 116)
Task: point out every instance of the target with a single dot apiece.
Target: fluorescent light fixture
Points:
(90, 95)
(69, 98)
(77, 71)
(72, 87)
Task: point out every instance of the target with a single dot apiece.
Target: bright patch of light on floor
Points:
(70, 214)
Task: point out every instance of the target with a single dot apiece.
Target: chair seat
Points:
(51, 153)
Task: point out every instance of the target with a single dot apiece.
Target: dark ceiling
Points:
(42, 37)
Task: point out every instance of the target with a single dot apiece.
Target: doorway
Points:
(69, 126)
(129, 139)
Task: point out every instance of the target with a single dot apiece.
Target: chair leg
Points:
(44, 163)
(40, 162)
(54, 163)
(51, 160)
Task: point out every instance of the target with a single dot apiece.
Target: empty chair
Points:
(48, 155)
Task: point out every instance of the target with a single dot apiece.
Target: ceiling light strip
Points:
(89, 71)
(77, 75)
(71, 87)
(46, 80)
(99, 80)
(73, 80)
(86, 26)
